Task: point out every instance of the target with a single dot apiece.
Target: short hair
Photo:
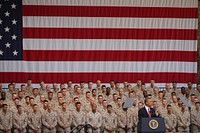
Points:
(50, 92)
(63, 89)
(60, 97)
(90, 81)
(109, 106)
(112, 80)
(145, 91)
(19, 92)
(174, 96)
(164, 99)
(118, 98)
(103, 86)
(93, 90)
(76, 86)
(35, 89)
(16, 98)
(35, 105)
(173, 92)
(100, 96)
(31, 98)
(45, 101)
(169, 105)
(114, 94)
(130, 92)
(81, 82)
(75, 98)
(9, 85)
(182, 87)
(18, 106)
(141, 103)
(59, 92)
(128, 85)
(146, 99)
(197, 103)
(64, 103)
(14, 93)
(78, 103)
(87, 92)
(4, 105)
(23, 85)
(107, 88)
(27, 97)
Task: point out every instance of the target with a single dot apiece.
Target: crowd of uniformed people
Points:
(60, 108)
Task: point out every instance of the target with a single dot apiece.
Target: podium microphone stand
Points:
(127, 104)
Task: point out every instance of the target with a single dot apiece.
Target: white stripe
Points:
(99, 44)
(143, 3)
(161, 85)
(54, 67)
(106, 22)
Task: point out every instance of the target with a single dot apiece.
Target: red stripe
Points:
(108, 55)
(95, 33)
(104, 77)
(108, 11)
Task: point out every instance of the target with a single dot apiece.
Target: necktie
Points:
(149, 112)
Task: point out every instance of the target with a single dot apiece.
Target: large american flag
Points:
(61, 40)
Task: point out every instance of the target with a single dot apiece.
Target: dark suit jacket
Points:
(143, 113)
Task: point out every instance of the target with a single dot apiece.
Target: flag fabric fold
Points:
(61, 40)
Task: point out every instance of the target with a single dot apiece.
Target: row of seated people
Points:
(100, 107)
(47, 119)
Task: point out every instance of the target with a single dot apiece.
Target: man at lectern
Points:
(147, 111)
(148, 123)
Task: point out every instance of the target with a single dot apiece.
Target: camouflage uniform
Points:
(64, 121)
(170, 122)
(5, 121)
(110, 121)
(78, 119)
(183, 119)
(195, 119)
(49, 119)
(34, 121)
(19, 122)
(94, 119)
(122, 119)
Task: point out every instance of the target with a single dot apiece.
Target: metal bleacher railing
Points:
(80, 127)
